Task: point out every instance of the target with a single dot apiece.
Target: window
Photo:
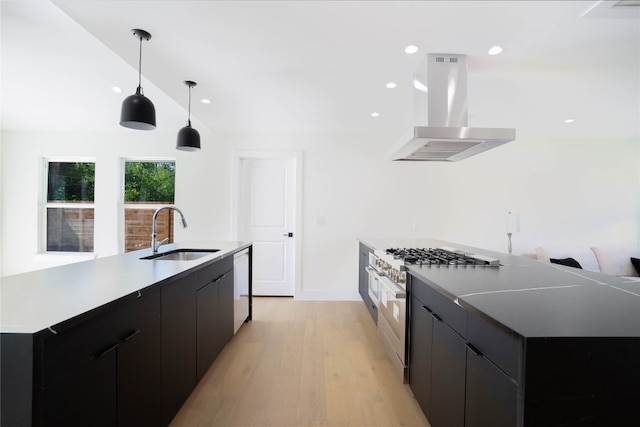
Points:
(148, 185)
(69, 207)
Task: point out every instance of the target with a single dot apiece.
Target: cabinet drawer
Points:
(501, 346)
(69, 348)
(211, 272)
(450, 312)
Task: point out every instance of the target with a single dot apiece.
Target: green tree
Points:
(149, 182)
(68, 181)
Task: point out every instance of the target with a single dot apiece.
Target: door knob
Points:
(289, 234)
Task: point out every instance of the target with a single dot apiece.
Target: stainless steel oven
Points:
(392, 323)
(387, 288)
(373, 286)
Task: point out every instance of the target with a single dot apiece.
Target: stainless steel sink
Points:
(181, 254)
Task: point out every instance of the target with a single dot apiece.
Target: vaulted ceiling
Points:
(319, 65)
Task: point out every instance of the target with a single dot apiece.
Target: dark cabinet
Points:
(139, 377)
(437, 363)
(492, 397)
(225, 309)
(452, 380)
(197, 321)
(85, 396)
(115, 375)
(493, 363)
(178, 345)
(131, 366)
(209, 343)
(448, 373)
(421, 343)
(130, 362)
(214, 320)
(363, 281)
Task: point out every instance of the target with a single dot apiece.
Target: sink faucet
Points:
(154, 234)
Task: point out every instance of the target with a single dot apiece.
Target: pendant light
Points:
(138, 111)
(188, 137)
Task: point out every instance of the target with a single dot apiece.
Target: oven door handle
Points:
(392, 288)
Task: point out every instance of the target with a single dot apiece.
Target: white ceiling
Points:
(319, 65)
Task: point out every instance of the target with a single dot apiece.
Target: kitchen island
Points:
(118, 340)
(525, 343)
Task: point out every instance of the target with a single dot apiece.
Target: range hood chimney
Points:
(446, 135)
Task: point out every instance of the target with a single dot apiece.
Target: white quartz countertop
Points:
(34, 301)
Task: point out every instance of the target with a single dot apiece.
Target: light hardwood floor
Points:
(302, 363)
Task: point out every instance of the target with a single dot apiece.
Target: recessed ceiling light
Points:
(375, 114)
(420, 86)
(495, 50)
(569, 121)
(116, 89)
(411, 49)
(392, 85)
(206, 101)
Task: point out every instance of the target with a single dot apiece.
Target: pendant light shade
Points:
(138, 111)
(188, 137)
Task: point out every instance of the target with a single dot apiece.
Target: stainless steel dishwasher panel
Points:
(240, 288)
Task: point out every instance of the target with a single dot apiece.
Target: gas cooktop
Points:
(441, 256)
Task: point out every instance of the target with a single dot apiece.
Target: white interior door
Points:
(267, 217)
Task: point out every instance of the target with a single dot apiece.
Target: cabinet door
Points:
(214, 324)
(420, 354)
(86, 396)
(178, 345)
(139, 377)
(448, 375)
(225, 308)
(492, 397)
(208, 341)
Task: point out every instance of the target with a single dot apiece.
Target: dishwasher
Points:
(240, 288)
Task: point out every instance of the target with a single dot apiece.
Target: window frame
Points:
(45, 204)
(121, 202)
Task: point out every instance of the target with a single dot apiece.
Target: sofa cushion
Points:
(542, 254)
(614, 263)
(569, 262)
(531, 256)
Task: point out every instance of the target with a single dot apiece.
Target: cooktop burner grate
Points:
(439, 256)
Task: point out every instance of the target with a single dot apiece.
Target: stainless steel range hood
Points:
(446, 135)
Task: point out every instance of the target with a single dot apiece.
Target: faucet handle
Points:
(160, 243)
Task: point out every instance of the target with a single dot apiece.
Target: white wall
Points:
(22, 181)
(570, 194)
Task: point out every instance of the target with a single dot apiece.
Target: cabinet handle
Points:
(474, 349)
(435, 316)
(428, 309)
(107, 351)
(219, 278)
(131, 335)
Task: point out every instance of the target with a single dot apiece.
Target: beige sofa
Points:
(609, 261)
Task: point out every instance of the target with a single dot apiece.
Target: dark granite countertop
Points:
(34, 301)
(532, 298)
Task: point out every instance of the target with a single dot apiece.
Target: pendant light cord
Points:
(140, 67)
(189, 116)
